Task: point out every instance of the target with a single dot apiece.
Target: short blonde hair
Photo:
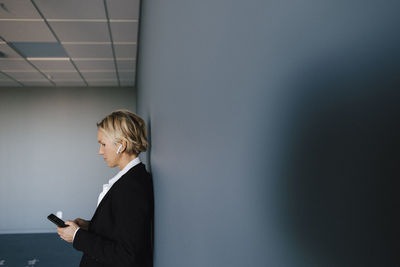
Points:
(123, 125)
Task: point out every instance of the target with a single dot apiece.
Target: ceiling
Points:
(70, 43)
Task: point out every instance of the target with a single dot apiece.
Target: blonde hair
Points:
(123, 125)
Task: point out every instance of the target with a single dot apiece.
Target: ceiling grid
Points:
(112, 42)
(8, 78)
(29, 62)
(58, 40)
(85, 43)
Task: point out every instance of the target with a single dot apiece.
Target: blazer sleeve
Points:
(130, 210)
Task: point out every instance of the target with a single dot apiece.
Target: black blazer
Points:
(120, 232)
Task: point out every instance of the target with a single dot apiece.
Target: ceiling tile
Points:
(8, 51)
(27, 76)
(103, 83)
(51, 65)
(124, 31)
(126, 65)
(64, 76)
(81, 31)
(19, 65)
(126, 75)
(70, 83)
(127, 82)
(73, 21)
(22, 31)
(125, 51)
(89, 51)
(90, 76)
(18, 10)
(123, 9)
(95, 65)
(4, 77)
(72, 9)
(37, 83)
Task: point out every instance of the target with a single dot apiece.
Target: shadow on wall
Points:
(342, 161)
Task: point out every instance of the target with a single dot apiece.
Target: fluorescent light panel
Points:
(48, 58)
(40, 50)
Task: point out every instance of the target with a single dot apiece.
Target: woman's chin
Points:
(111, 165)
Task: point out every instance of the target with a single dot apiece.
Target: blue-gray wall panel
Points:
(254, 110)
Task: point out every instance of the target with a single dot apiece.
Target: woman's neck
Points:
(125, 159)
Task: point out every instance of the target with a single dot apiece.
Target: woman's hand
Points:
(82, 223)
(67, 233)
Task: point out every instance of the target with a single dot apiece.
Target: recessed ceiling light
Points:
(40, 50)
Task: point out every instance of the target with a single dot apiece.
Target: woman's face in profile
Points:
(107, 149)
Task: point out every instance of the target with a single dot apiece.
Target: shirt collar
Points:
(128, 166)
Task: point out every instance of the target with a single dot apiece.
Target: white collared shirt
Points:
(107, 187)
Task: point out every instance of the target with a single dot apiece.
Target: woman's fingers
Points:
(60, 232)
(67, 233)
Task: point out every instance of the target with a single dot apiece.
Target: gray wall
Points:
(48, 153)
(273, 129)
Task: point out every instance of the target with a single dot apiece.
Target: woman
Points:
(120, 231)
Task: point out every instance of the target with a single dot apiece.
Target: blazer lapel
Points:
(105, 198)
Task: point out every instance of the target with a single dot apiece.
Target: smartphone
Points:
(57, 221)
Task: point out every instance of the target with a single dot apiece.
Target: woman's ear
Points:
(121, 147)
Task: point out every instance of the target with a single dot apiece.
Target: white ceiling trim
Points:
(23, 20)
(47, 58)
